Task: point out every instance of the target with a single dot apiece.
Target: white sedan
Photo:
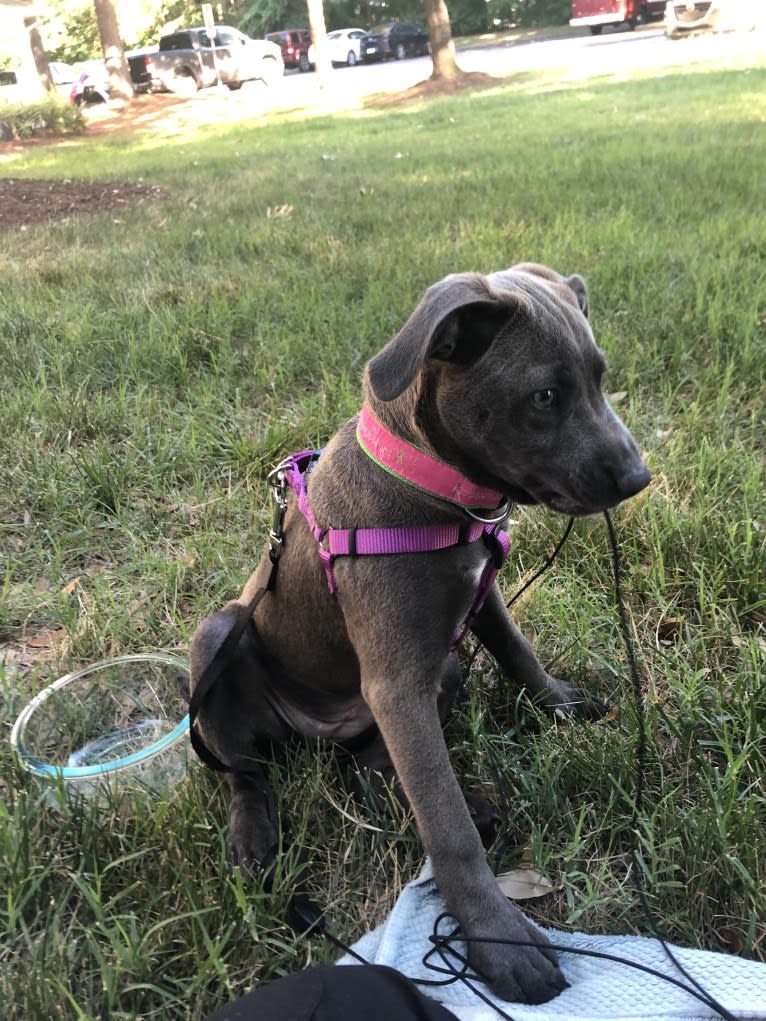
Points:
(723, 15)
(343, 45)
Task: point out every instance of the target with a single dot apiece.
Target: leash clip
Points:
(278, 483)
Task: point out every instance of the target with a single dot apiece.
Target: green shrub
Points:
(47, 116)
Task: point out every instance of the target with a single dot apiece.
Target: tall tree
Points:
(440, 37)
(120, 83)
(318, 29)
(38, 53)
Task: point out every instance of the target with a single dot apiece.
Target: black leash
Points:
(637, 814)
(548, 562)
(210, 676)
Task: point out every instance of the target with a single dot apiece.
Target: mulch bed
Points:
(24, 202)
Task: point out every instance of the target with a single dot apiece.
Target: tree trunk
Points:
(318, 29)
(120, 83)
(440, 37)
(39, 54)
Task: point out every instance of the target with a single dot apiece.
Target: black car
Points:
(397, 39)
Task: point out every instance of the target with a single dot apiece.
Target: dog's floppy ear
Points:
(432, 331)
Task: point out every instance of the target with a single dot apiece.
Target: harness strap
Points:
(337, 542)
(340, 542)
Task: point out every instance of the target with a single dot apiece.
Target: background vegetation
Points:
(156, 364)
(70, 32)
(23, 120)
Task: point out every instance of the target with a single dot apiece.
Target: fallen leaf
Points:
(669, 630)
(69, 588)
(610, 717)
(731, 939)
(742, 643)
(47, 638)
(524, 884)
(618, 396)
(279, 212)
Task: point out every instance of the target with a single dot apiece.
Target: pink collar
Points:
(420, 469)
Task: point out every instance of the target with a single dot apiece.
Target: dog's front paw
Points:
(565, 701)
(526, 972)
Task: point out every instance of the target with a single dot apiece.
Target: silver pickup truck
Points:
(192, 59)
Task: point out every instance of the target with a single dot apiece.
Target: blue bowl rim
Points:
(46, 769)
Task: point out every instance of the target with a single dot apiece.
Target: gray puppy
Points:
(497, 380)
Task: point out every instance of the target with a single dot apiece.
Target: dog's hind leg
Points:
(234, 719)
(496, 630)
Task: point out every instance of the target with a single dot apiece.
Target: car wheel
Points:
(184, 85)
(399, 51)
(596, 29)
(351, 58)
(303, 63)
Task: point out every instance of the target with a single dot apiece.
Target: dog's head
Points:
(504, 377)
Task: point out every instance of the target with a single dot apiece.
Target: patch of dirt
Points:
(26, 202)
(432, 87)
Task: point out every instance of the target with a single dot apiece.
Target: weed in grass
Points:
(155, 369)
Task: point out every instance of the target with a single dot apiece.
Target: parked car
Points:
(294, 44)
(63, 77)
(91, 85)
(594, 14)
(189, 59)
(683, 17)
(397, 39)
(344, 45)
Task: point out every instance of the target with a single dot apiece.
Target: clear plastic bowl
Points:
(115, 724)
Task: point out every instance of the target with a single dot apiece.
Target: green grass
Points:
(157, 364)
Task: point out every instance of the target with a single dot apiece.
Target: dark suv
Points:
(396, 39)
(294, 44)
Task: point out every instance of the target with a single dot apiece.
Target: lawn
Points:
(157, 361)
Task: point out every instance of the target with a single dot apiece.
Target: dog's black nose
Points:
(633, 481)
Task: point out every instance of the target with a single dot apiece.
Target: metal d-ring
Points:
(502, 513)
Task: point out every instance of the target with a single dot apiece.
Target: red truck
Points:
(596, 13)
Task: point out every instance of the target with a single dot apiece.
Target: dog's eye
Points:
(544, 399)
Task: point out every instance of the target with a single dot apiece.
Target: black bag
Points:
(336, 993)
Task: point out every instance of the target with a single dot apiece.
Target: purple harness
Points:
(353, 542)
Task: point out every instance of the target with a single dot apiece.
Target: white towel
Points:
(598, 991)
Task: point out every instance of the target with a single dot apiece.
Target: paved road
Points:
(576, 58)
